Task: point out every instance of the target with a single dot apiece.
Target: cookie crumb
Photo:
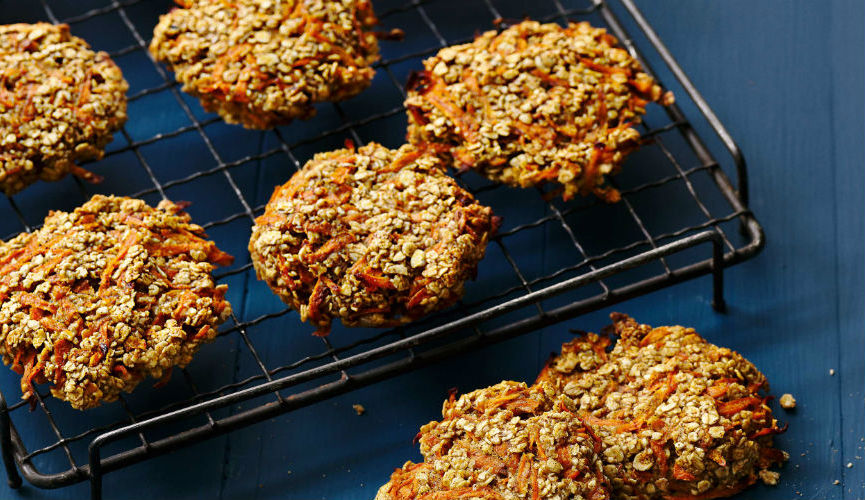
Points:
(769, 477)
(849, 465)
(831, 372)
(836, 482)
(359, 409)
(788, 402)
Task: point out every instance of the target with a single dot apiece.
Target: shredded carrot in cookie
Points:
(534, 104)
(391, 238)
(505, 441)
(59, 100)
(294, 53)
(671, 410)
(130, 296)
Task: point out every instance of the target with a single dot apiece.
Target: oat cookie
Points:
(263, 63)
(100, 298)
(374, 236)
(678, 417)
(60, 103)
(505, 442)
(534, 104)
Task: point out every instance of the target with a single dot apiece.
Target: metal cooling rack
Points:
(650, 240)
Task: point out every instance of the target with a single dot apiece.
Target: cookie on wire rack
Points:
(263, 63)
(98, 299)
(535, 104)
(508, 441)
(678, 417)
(60, 103)
(372, 236)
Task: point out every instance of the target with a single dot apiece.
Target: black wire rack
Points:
(680, 217)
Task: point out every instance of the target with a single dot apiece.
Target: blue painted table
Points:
(787, 80)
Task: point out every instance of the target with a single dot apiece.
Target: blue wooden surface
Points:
(785, 77)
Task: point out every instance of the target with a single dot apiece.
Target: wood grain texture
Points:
(847, 132)
(786, 77)
(792, 308)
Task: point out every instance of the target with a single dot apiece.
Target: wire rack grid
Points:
(680, 217)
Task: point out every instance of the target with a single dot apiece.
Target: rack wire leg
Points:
(12, 475)
(718, 302)
(95, 471)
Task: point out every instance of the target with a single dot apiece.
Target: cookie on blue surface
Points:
(534, 104)
(508, 441)
(60, 103)
(373, 236)
(678, 417)
(263, 63)
(99, 298)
